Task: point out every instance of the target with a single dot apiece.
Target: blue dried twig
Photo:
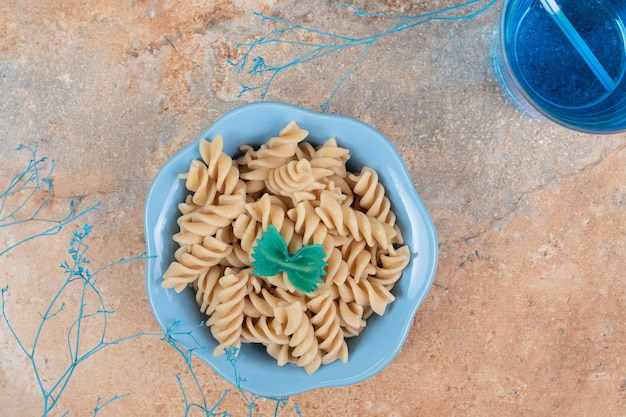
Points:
(77, 274)
(333, 43)
(99, 406)
(187, 355)
(252, 399)
(19, 192)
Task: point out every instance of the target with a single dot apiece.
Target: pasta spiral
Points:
(191, 265)
(305, 348)
(308, 224)
(368, 293)
(347, 220)
(220, 167)
(227, 318)
(372, 195)
(358, 259)
(276, 152)
(327, 325)
(295, 180)
(205, 287)
(265, 330)
(331, 157)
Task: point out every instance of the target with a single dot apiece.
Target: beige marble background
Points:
(525, 317)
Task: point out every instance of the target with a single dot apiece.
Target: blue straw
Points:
(578, 42)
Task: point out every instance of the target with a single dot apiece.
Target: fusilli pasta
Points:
(307, 193)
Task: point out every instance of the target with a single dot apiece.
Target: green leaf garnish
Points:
(305, 268)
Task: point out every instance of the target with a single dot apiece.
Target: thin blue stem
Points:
(337, 42)
(99, 406)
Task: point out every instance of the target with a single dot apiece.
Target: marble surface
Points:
(525, 317)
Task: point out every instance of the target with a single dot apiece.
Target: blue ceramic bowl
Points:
(383, 337)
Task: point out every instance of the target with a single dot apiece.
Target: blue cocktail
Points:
(566, 60)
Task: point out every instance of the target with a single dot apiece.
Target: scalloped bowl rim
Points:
(255, 371)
